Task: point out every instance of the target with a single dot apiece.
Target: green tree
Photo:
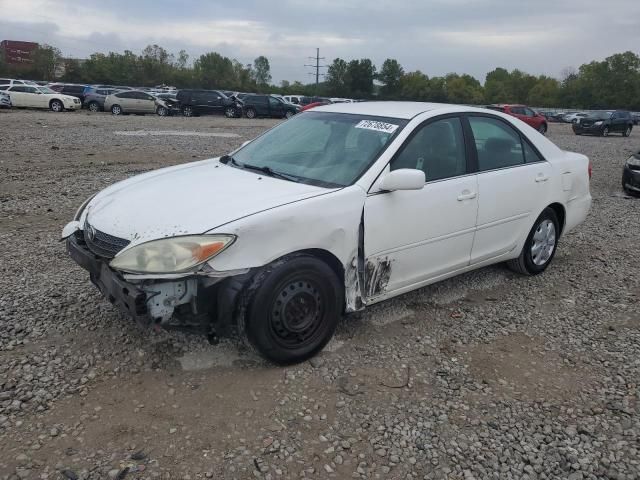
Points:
(463, 89)
(262, 71)
(336, 79)
(359, 78)
(46, 60)
(545, 93)
(390, 75)
(212, 70)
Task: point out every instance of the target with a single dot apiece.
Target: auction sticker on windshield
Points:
(377, 126)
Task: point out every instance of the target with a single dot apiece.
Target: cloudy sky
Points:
(434, 36)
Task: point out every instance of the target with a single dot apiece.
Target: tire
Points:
(93, 107)
(162, 111)
(544, 234)
(627, 132)
(250, 113)
(292, 309)
(289, 114)
(116, 110)
(542, 128)
(230, 112)
(605, 132)
(56, 106)
(187, 111)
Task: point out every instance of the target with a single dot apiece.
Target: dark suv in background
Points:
(604, 123)
(207, 102)
(268, 106)
(71, 89)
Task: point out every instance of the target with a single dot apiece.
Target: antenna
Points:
(317, 67)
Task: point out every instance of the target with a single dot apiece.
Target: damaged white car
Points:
(327, 213)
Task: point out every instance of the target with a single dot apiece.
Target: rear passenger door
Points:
(276, 108)
(513, 186)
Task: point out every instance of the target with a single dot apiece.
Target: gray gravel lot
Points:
(487, 375)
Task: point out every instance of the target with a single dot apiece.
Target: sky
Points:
(434, 36)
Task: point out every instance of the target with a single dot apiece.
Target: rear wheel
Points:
(289, 114)
(250, 113)
(187, 111)
(605, 132)
(116, 110)
(162, 111)
(627, 132)
(293, 309)
(94, 107)
(56, 106)
(542, 128)
(540, 246)
(230, 112)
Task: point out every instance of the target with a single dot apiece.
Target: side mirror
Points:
(403, 179)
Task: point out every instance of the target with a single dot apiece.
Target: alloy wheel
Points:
(544, 242)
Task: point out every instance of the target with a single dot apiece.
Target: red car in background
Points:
(525, 114)
(313, 105)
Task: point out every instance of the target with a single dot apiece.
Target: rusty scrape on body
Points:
(377, 276)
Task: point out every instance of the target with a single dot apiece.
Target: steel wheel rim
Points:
(544, 242)
(296, 314)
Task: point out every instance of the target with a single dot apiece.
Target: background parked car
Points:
(631, 174)
(131, 101)
(573, 117)
(5, 100)
(33, 96)
(13, 81)
(74, 90)
(313, 105)
(604, 123)
(268, 106)
(524, 113)
(94, 98)
(171, 104)
(203, 102)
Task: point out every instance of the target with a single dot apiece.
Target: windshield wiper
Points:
(271, 172)
(229, 160)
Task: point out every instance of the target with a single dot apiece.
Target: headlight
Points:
(82, 207)
(634, 161)
(598, 123)
(171, 255)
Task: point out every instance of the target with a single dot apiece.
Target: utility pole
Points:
(317, 67)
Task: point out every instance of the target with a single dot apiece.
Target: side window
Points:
(4, 87)
(615, 116)
(498, 144)
(273, 102)
(437, 149)
(517, 110)
(30, 89)
(529, 113)
(126, 95)
(530, 155)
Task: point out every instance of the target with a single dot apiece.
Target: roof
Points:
(406, 110)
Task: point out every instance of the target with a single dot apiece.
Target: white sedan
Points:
(34, 96)
(327, 213)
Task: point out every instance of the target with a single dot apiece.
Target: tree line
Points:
(611, 83)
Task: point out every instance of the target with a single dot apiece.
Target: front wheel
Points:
(56, 106)
(293, 309)
(94, 107)
(540, 246)
(116, 110)
(605, 132)
(627, 132)
(162, 111)
(187, 111)
(230, 112)
(543, 128)
(250, 113)
(289, 114)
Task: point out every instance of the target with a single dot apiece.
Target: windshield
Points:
(599, 115)
(45, 90)
(321, 148)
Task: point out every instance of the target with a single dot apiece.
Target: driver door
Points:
(413, 237)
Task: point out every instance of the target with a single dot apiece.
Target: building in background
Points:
(17, 53)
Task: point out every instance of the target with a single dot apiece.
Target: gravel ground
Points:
(487, 375)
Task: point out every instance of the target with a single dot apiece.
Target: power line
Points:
(317, 67)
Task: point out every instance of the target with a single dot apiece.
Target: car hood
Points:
(188, 199)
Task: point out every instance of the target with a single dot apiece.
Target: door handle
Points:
(541, 177)
(466, 195)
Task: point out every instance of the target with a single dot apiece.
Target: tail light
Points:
(590, 170)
